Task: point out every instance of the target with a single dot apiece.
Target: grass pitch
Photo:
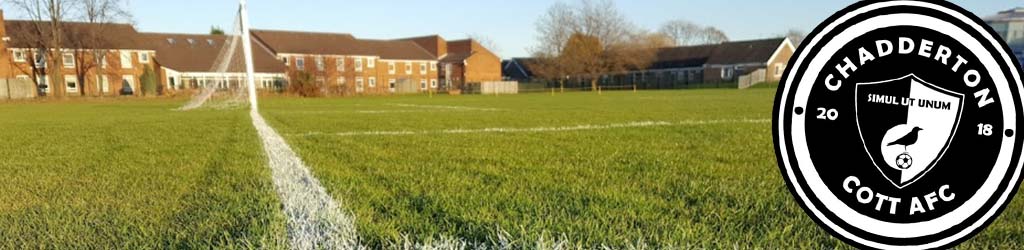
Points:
(133, 175)
(664, 169)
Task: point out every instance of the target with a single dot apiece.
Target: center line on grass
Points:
(443, 107)
(636, 124)
(315, 221)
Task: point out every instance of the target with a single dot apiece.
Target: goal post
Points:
(250, 74)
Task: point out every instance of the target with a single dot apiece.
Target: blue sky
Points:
(510, 24)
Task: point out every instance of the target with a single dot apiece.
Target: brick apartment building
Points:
(97, 59)
(117, 56)
(348, 65)
(461, 61)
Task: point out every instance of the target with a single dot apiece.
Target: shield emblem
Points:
(906, 124)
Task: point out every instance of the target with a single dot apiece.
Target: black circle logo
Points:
(894, 125)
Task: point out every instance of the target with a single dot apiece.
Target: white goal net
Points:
(229, 81)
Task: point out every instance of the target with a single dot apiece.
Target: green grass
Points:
(133, 175)
(684, 185)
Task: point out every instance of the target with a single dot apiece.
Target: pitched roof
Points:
(1016, 14)
(294, 42)
(518, 68)
(76, 35)
(199, 53)
(740, 52)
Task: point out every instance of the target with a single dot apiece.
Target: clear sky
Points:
(510, 24)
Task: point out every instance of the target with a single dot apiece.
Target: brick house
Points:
(348, 65)
(93, 65)
(461, 61)
(190, 61)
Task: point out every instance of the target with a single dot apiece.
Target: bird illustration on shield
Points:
(904, 161)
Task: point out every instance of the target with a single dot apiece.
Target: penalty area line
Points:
(314, 219)
(635, 124)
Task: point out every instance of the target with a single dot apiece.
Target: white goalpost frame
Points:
(250, 74)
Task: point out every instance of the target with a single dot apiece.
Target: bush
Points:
(303, 84)
(149, 81)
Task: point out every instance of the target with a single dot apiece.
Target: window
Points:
(391, 68)
(319, 63)
(103, 61)
(423, 68)
(126, 60)
(433, 83)
(285, 59)
(19, 55)
(300, 63)
(408, 68)
(143, 57)
(41, 60)
(423, 84)
(433, 66)
(104, 83)
(358, 64)
(373, 82)
(359, 84)
(320, 80)
(341, 81)
(340, 63)
(779, 68)
(23, 78)
(727, 73)
(44, 83)
(72, 84)
(68, 60)
(391, 85)
(371, 62)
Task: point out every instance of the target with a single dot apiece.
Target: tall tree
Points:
(216, 30)
(686, 33)
(553, 31)
(92, 44)
(589, 41)
(47, 38)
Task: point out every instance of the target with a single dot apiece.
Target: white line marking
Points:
(443, 107)
(637, 124)
(315, 221)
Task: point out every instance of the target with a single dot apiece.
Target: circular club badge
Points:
(896, 125)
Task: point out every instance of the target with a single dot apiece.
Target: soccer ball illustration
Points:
(904, 161)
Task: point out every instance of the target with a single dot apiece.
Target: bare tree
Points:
(46, 36)
(92, 44)
(485, 41)
(589, 41)
(712, 35)
(796, 36)
(682, 32)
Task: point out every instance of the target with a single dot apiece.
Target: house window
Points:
(371, 62)
(126, 60)
(359, 84)
(103, 61)
(373, 82)
(285, 59)
(143, 57)
(391, 68)
(423, 84)
(779, 68)
(300, 63)
(341, 81)
(423, 68)
(433, 83)
(391, 85)
(433, 66)
(319, 63)
(44, 83)
(104, 83)
(68, 60)
(727, 73)
(408, 68)
(171, 82)
(359, 64)
(340, 63)
(72, 84)
(19, 55)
